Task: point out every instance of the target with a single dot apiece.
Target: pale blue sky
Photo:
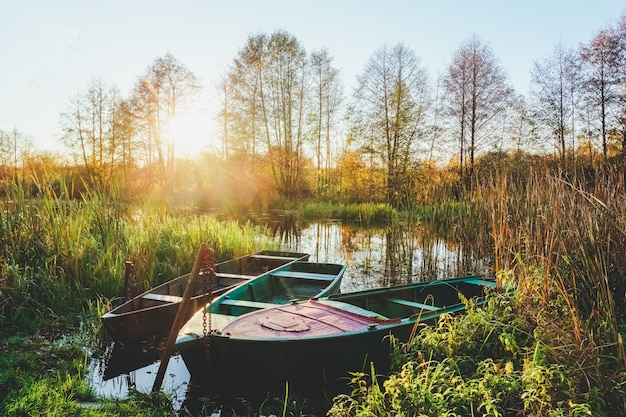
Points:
(51, 49)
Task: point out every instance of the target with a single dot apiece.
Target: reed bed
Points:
(564, 241)
(550, 347)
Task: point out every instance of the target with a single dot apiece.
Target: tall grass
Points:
(554, 346)
(59, 255)
(571, 236)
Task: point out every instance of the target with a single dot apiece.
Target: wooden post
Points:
(204, 254)
(129, 278)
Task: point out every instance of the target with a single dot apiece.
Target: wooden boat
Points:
(147, 318)
(293, 282)
(318, 342)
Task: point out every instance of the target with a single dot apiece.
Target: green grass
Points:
(363, 213)
(493, 361)
(38, 377)
(59, 254)
(43, 378)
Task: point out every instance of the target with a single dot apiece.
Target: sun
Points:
(189, 133)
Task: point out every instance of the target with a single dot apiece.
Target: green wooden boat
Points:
(317, 342)
(293, 282)
(147, 318)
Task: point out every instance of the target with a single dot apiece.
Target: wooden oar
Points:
(205, 255)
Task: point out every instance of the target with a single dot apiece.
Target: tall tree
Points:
(89, 128)
(621, 112)
(327, 96)
(522, 130)
(391, 101)
(553, 86)
(270, 92)
(125, 129)
(15, 147)
(477, 95)
(243, 90)
(283, 106)
(158, 96)
(603, 77)
(224, 115)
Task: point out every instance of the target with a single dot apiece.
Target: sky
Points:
(51, 50)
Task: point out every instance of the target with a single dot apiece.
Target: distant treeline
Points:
(288, 129)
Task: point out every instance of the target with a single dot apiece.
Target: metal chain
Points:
(208, 273)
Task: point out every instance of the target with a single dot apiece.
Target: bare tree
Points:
(620, 114)
(243, 89)
(157, 97)
(224, 114)
(603, 77)
(125, 134)
(523, 134)
(15, 147)
(477, 94)
(89, 128)
(270, 80)
(283, 96)
(553, 86)
(390, 106)
(328, 96)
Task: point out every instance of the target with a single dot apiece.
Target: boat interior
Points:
(228, 274)
(410, 300)
(299, 281)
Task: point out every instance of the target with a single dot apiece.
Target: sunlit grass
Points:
(366, 212)
(59, 254)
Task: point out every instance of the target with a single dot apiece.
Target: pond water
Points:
(374, 257)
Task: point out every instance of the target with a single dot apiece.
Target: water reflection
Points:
(375, 256)
(118, 370)
(380, 256)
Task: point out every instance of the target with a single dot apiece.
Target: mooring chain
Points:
(208, 273)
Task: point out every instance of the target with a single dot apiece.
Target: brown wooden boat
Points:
(148, 318)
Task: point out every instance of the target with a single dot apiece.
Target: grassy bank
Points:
(363, 213)
(495, 361)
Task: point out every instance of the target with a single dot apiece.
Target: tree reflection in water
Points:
(378, 256)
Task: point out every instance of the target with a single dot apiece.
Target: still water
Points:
(374, 257)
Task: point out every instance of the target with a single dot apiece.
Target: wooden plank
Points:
(481, 282)
(261, 256)
(163, 297)
(229, 275)
(413, 304)
(304, 275)
(246, 303)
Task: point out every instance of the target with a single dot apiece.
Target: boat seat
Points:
(249, 304)
(304, 275)
(414, 304)
(163, 297)
(481, 282)
(230, 275)
(278, 257)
